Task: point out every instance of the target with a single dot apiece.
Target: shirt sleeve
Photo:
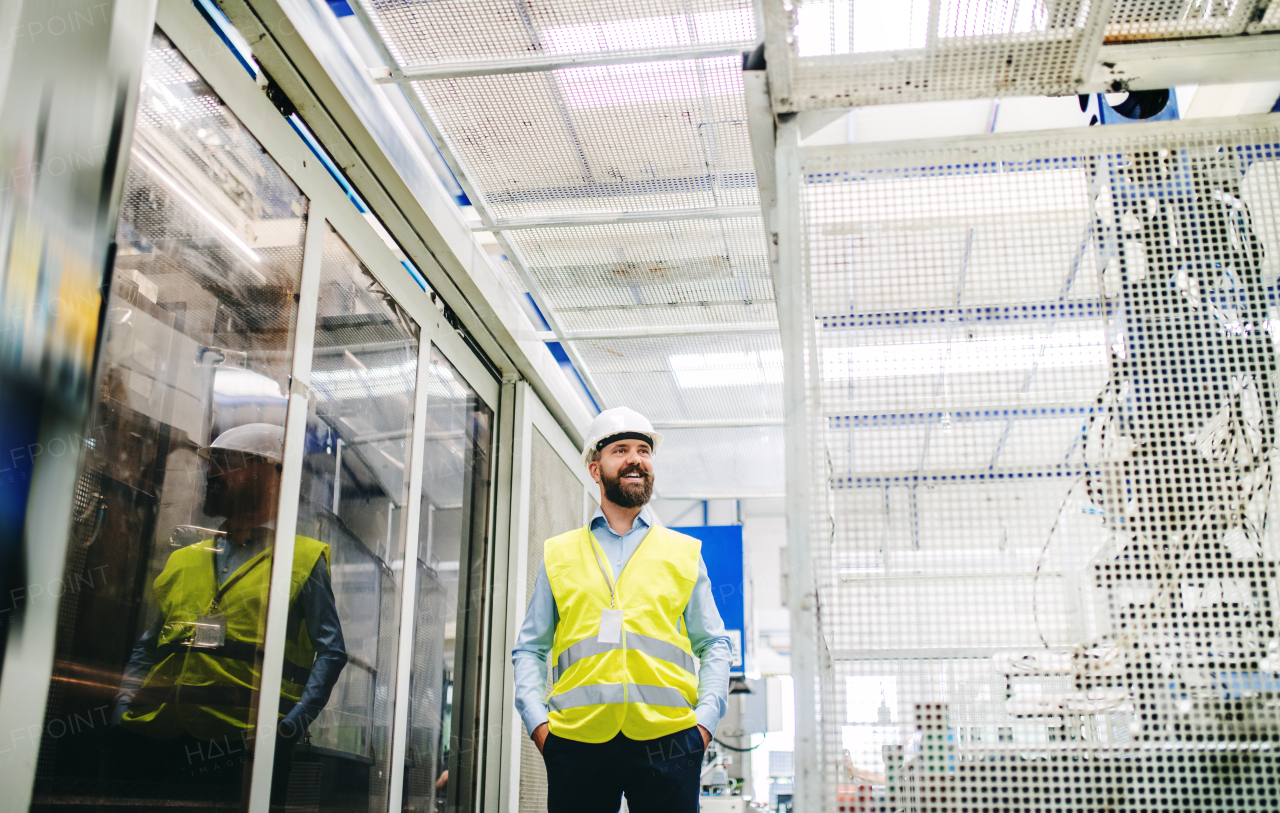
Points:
(324, 628)
(135, 674)
(533, 644)
(711, 645)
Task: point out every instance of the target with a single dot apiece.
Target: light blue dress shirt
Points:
(701, 620)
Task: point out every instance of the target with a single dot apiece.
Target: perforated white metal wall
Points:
(555, 506)
(1042, 391)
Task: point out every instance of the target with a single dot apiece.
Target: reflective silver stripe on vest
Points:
(597, 695)
(652, 647)
(604, 693)
(661, 650)
(656, 696)
(583, 649)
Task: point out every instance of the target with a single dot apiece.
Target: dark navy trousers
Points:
(657, 776)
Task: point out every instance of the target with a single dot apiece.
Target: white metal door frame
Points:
(530, 414)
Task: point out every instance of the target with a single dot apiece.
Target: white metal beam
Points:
(409, 575)
(789, 289)
(746, 495)
(657, 333)
(1207, 61)
(453, 70)
(719, 423)
(295, 442)
(609, 218)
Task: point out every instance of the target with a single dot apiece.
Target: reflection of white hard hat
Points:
(611, 423)
(263, 439)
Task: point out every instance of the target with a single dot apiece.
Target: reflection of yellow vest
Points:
(209, 692)
(644, 686)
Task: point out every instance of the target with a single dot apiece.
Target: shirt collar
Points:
(643, 520)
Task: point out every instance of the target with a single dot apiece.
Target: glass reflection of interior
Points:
(159, 632)
(354, 489)
(451, 546)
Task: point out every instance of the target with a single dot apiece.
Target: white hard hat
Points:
(263, 439)
(618, 421)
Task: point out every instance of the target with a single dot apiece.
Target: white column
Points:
(295, 439)
(409, 576)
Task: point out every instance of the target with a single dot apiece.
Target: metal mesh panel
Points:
(613, 138)
(1165, 19)
(502, 31)
(727, 377)
(513, 276)
(721, 462)
(1041, 443)
(842, 53)
(686, 272)
(1270, 19)
(555, 506)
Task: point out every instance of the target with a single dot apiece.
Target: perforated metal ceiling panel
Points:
(685, 273)
(1041, 519)
(499, 32)
(610, 138)
(605, 143)
(1166, 19)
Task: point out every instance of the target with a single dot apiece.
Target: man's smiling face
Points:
(625, 469)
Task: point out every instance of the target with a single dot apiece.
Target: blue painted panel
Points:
(722, 552)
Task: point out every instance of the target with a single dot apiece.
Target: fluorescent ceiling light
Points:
(246, 384)
(1066, 349)
(752, 368)
(365, 382)
(225, 230)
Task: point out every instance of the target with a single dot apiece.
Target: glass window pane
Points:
(159, 636)
(353, 494)
(452, 547)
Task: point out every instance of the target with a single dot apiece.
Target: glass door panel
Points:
(160, 630)
(353, 494)
(453, 541)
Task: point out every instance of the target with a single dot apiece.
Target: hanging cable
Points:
(739, 750)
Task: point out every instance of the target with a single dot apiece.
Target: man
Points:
(622, 606)
(184, 708)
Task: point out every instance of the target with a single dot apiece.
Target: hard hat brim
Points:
(655, 440)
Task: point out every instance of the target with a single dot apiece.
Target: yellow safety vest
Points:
(644, 686)
(210, 693)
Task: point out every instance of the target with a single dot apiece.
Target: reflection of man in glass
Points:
(184, 706)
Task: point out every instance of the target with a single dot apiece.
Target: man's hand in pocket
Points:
(539, 736)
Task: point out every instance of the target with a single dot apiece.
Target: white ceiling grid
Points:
(605, 143)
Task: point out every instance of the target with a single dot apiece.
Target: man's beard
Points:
(628, 493)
